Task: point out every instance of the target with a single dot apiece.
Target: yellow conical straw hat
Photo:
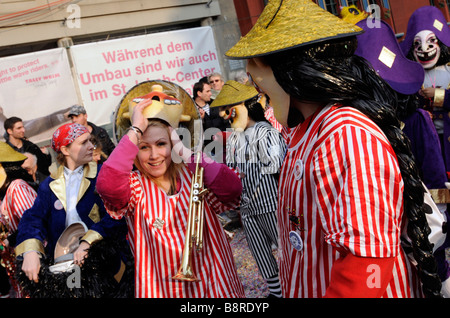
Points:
(286, 24)
(8, 154)
(233, 93)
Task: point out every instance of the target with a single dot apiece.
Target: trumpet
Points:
(194, 228)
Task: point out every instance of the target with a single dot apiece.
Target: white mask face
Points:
(426, 49)
(262, 76)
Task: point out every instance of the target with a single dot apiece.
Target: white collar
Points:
(77, 172)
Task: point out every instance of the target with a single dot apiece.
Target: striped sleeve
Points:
(271, 148)
(219, 207)
(20, 197)
(136, 192)
(359, 191)
(269, 115)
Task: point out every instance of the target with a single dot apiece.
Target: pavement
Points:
(254, 285)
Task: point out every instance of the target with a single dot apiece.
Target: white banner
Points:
(39, 89)
(107, 70)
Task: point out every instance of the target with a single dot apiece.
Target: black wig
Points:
(255, 109)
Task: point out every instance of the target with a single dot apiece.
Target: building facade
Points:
(35, 25)
(395, 12)
(41, 74)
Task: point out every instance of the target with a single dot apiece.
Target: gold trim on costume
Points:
(91, 236)
(58, 186)
(89, 171)
(94, 215)
(440, 195)
(439, 95)
(29, 245)
(83, 188)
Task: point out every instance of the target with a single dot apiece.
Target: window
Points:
(356, 3)
(331, 6)
(334, 5)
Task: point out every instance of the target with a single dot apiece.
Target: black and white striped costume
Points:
(257, 153)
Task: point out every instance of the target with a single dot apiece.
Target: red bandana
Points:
(66, 134)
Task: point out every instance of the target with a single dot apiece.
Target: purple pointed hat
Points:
(426, 18)
(379, 46)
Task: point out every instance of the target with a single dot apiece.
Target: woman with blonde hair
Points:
(155, 200)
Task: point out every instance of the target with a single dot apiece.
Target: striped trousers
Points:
(261, 231)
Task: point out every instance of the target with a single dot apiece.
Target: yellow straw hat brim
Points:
(8, 154)
(286, 24)
(233, 93)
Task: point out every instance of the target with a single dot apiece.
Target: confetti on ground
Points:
(254, 284)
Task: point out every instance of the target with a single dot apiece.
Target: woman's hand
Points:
(31, 265)
(80, 254)
(138, 120)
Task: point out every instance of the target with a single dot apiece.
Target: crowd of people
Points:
(334, 156)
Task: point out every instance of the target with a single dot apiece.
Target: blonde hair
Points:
(173, 169)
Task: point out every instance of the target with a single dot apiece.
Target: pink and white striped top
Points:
(157, 226)
(269, 115)
(341, 179)
(19, 197)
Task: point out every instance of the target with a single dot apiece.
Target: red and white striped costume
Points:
(156, 232)
(19, 197)
(341, 179)
(269, 115)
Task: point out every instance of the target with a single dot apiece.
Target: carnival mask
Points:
(262, 77)
(352, 14)
(163, 106)
(237, 115)
(426, 49)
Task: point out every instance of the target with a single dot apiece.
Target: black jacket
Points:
(214, 120)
